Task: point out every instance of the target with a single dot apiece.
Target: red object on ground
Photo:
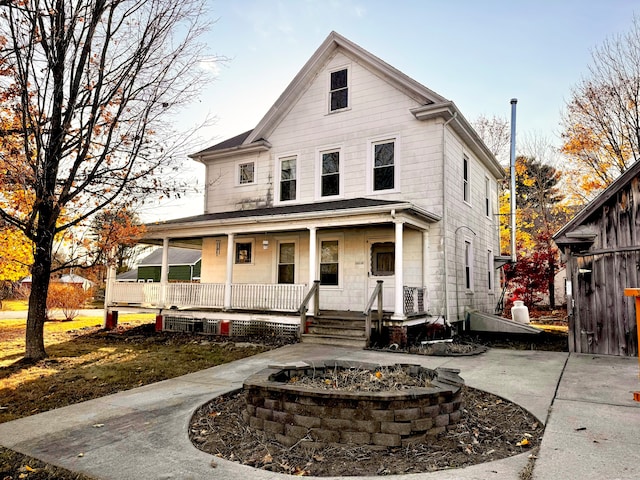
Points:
(224, 327)
(158, 323)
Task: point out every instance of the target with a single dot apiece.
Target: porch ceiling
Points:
(339, 213)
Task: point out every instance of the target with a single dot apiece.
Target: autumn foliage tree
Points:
(90, 85)
(540, 214)
(602, 118)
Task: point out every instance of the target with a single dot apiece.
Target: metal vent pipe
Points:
(512, 173)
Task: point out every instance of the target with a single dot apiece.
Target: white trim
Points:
(277, 179)
(318, 172)
(346, 67)
(371, 143)
(238, 164)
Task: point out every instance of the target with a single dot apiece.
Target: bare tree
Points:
(93, 83)
(496, 134)
(602, 118)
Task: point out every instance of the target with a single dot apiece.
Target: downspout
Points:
(444, 217)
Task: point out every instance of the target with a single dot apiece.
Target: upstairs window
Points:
(246, 173)
(384, 166)
(338, 90)
(487, 197)
(288, 179)
(466, 195)
(330, 176)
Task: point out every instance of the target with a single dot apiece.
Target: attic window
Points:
(246, 173)
(339, 90)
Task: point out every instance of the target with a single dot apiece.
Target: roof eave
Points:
(429, 217)
(447, 111)
(258, 146)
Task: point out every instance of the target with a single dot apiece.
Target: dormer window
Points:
(339, 90)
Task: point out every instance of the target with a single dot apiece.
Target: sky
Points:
(478, 53)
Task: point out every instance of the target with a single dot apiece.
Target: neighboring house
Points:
(184, 265)
(357, 174)
(69, 279)
(601, 246)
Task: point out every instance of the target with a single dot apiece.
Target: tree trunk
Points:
(37, 314)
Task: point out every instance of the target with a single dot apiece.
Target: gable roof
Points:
(177, 256)
(432, 105)
(594, 206)
(334, 41)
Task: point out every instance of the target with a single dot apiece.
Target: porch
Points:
(279, 309)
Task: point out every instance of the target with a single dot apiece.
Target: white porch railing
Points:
(136, 293)
(286, 298)
(195, 294)
(277, 297)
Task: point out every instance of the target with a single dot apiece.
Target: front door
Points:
(382, 256)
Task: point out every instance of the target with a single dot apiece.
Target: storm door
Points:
(382, 257)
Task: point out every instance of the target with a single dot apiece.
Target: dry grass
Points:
(86, 362)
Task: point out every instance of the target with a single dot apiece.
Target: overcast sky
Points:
(477, 53)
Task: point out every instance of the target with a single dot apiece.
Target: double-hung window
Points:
(330, 174)
(468, 265)
(466, 192)
(384, 165)
(339, 90)
(487, 197)
(288, 179)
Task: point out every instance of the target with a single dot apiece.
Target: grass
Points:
(86, 362)
(14, 305)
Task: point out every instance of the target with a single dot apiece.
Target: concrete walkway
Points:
(593, 429)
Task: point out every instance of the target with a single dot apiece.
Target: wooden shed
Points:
(601, 246)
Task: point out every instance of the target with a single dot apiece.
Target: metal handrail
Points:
(377, 293)
(314, 292)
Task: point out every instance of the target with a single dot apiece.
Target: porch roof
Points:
(289, 213)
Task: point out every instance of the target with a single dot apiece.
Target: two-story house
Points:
(357, 175)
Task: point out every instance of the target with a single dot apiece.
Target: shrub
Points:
(67, 298)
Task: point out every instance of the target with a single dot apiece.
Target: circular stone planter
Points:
(291, 413)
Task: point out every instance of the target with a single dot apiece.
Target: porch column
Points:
(312, 255)
(398, 313)
(229, 278)
(164, 272)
